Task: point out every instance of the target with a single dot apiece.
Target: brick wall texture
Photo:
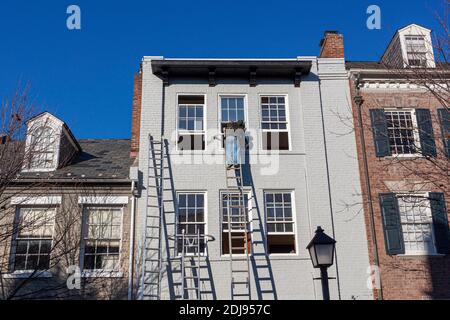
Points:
(332, 45)
(402, 276)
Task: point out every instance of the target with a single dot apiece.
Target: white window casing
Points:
(99, 200)
(408, 146)
(30, 200)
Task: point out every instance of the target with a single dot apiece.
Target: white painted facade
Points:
(320, 169)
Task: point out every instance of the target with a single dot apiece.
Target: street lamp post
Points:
(321, 250)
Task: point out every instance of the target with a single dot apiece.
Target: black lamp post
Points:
(321, 249)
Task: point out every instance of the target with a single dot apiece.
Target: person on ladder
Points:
(235, 143)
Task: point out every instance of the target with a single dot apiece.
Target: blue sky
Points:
(85, 77)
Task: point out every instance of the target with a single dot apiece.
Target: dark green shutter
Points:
(424, 123)
(380, 133)
(444, 118)
(440, 222)
(393, 234)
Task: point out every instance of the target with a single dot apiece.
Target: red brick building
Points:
(403, 137)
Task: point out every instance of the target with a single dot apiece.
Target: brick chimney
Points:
(136, 115)
(332, 45)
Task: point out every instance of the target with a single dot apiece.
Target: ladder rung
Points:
(265, 279)
(239, 282)
(152, 260)
(151, 283)
(241, 294)
(240, 271)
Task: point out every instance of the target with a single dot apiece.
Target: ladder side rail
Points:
(161, 212)
(183, 261)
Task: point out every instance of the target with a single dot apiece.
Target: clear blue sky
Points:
(86, 77)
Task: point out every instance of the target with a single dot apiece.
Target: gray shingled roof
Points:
(100, 159)
(364, 65)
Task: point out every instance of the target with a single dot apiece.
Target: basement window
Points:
(191, 122)
(233, 221)
(274, 124)
(280, 222)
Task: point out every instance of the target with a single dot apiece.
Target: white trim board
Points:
(26, 200)
(103, 200)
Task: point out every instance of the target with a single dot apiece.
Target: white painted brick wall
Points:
(303, 169)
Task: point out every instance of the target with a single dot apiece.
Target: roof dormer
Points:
(411, 46)
(49, 144)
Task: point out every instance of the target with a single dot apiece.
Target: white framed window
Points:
(232, 108)
(232, 217)
(274, 122)
(191, 221)
(42, 149)
(34, 239)
(402, 131)
(417, 224)
(280, 222)
(416, 50)
(102, 238)
(191, 122)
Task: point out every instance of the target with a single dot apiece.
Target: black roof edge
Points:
(294, 65)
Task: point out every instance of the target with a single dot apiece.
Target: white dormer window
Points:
(411, 46)
(416, 51)
(49, 144)
(42, 149)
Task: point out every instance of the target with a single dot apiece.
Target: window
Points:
(280, 222)
(42, 149)
(402, 131)
(191, 220)
(191, 122)
(102, 238)
(416, 51)
(232, 109)
(231, 208)
(274, 123)
(34, 239)
(417, 224)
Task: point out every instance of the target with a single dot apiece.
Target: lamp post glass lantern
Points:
(321, 250)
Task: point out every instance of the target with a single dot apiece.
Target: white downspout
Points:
(131, 252)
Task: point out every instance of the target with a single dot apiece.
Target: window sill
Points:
(421, 255)
(28, 274)
(283, 255)
(404, 157)
(101, 274)
(238, 255)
